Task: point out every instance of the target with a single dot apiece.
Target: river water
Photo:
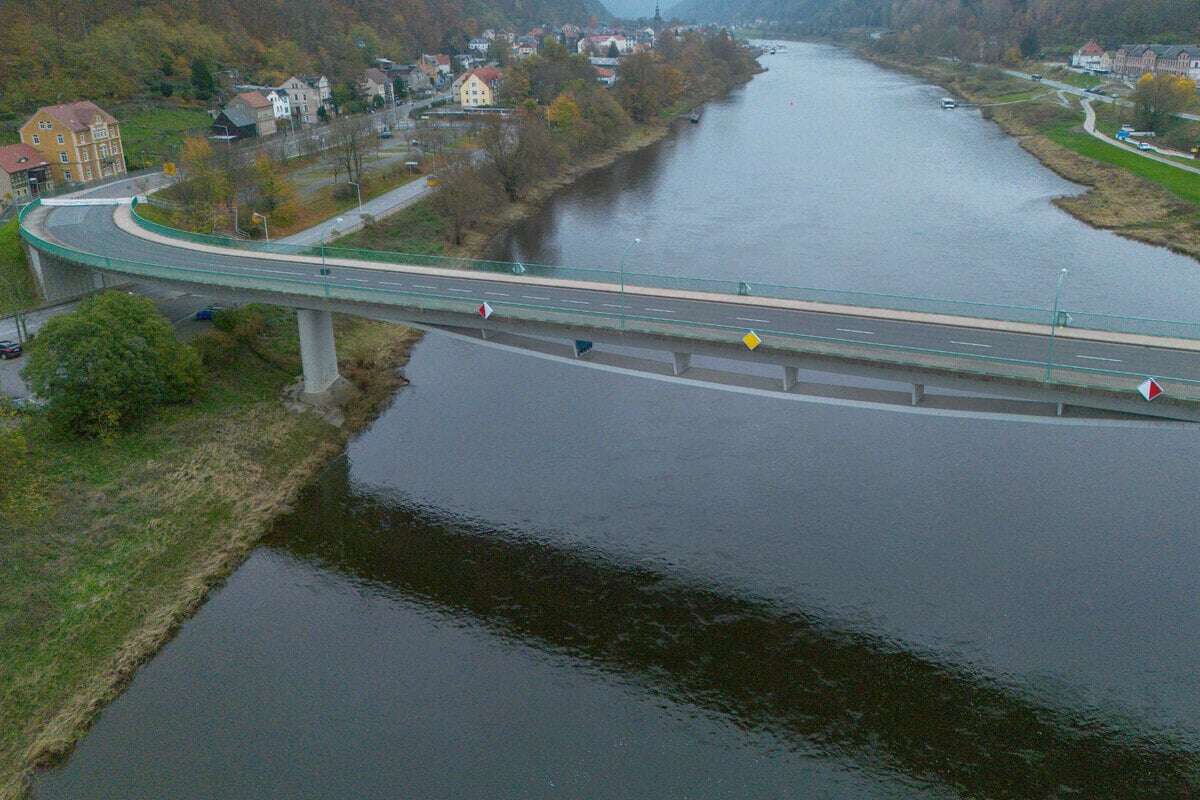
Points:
(532, 579)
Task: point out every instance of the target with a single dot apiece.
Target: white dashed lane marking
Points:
(971, 344)
(856, 330)
(1099, 358)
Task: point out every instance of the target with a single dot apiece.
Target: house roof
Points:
(238, 116)
(488, 75)
(20, 157)
(443, 59)
(376, 76)
(604, 72)
(78, 116)
(253, 99)
(1092, 48)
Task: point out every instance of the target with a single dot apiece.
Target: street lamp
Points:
(621, 270)
(1062, 276)
(359, 188)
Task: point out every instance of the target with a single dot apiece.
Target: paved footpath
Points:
(1089, 125)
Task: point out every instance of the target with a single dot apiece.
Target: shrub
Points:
(109, 363)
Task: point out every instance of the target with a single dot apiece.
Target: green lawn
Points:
(152, 134)
(16, 282)
(1183, 184)
(416, 229)
(1073, 78)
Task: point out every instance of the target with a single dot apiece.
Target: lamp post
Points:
(1062, 276)
(359, 188)
(621, 271)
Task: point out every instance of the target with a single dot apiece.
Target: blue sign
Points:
(582, 346)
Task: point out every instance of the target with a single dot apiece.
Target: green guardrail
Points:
(330, 287)
(1148, 326)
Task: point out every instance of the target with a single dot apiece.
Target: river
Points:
(532, 579)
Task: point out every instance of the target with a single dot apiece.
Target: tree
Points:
(274, 194)
(202, 79)
(109, 363)
(1029, 44)
(520, 152)
(1157, 97)
(464, 194)
(647, 86)
(613, 50)
(351, 140)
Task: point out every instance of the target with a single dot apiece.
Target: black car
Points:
(9, 349)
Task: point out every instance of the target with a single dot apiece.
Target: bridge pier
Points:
(681, 362)
(318, 352)
(918, 393)
(791, 376)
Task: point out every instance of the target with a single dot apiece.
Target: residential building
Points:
(24, 175)
(479, 45)
(81, 141)
(417, 81)
(1133, 60)
(525, 46)
(479, 87)
(606, 75)
(324, 90)
(600, 44)
(1089, 56)
(258, 108)
(279, 104)
(303, 100)
(376, 83)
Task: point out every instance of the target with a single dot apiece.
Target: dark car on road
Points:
(207, 312)
(9, 349)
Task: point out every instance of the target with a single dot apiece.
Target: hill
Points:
(968, 29)
(115, 50)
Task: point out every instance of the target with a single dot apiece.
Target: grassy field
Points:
(17, 291)
(153, 134)
(107, 546)
(1070, 135)
(416, 229)
(1074, 78)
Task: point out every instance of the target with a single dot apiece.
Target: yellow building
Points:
(81, 141)
(478, 87)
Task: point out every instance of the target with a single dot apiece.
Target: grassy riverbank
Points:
(1128, 194)
(109, 545)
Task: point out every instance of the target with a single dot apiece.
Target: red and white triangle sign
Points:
(485, 310)
(1150, 389)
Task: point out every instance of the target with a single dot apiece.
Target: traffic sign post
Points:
(1150, 389)
(752, 340)
(485, 311)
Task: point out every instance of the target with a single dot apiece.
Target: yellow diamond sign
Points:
(752, 340)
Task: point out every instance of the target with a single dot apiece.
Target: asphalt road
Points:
(92, 229)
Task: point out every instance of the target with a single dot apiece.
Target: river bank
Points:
(1126, 194)
(111, 545)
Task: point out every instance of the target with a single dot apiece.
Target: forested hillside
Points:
(975, 29)
(114, 50)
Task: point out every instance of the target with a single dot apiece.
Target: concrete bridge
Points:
(995, 359)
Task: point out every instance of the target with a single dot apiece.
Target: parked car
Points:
(1144, 146)
(385, 134)
(1036, 76)
(207, 312)
(9, 349)
(1095, 90)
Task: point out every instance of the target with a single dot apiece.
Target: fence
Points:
(331, 288)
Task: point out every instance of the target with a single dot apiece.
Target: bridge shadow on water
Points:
(757, 665)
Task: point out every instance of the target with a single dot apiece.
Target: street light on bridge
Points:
(621, 271)
(1062, 276)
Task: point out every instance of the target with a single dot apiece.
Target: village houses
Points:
(376, 84)
(81, 141)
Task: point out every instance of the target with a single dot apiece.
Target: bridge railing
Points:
(1148, 326)
(532, 270)
(578, 322)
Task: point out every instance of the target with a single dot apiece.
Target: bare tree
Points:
(351, 139)
(465, 193)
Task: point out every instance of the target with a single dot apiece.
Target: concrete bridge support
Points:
(918, 393)
(318, 351)
(790, 376)
(59, 280)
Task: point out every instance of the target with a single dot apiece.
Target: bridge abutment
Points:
(59, 280)
(318, 351)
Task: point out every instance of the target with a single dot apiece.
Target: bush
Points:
(109, 363)
(215, 348)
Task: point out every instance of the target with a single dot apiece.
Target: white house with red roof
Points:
(1090, 56)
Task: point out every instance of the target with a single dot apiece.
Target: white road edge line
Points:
(971, 344)
(612, 305)
(661, 310)
(419, 286)
(1100, 358)
(856, 330)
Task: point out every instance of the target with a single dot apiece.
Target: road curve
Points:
(92, 229)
